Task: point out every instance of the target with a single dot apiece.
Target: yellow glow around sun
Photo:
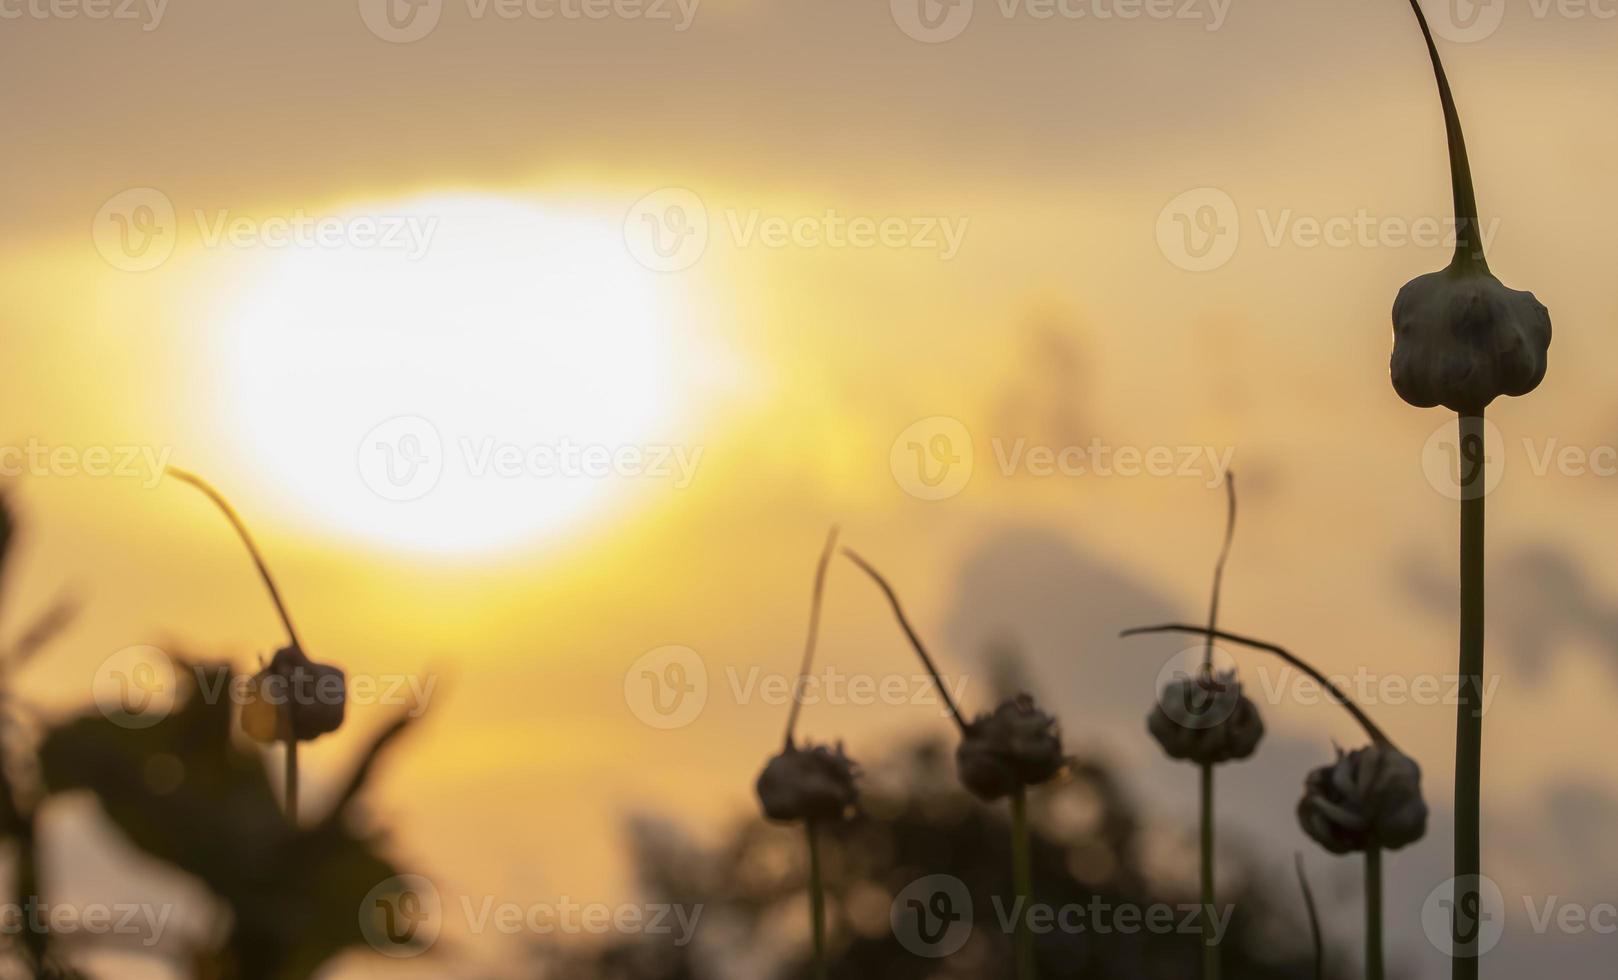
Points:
(457, 373)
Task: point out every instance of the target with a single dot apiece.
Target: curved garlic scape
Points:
(291, 699)
(1370, 797)
(1002, 752)
(1462, 338)
(816, 782)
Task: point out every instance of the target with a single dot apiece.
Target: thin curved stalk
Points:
(1210, 935)
(1219, 568)
(1377, 735)
(1022, 872)
(910, 632)
(247, 539)
(1468, 231)
(240, 526)
(814, 633)
(1313, 914)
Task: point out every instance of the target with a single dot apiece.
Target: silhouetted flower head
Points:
(1015, 746)
(1206, 720)
(1461, 339)
(815, 782)
(1370, 797)
(293, 699)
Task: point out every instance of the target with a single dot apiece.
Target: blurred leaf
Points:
(183, 791)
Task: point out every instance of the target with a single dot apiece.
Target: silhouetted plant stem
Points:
(1023, 878)
(910, 634)
(817, 902)
(1210, 935)
(1373, 913)
(219, 501)
(1314, 918)
(1469, 721)
(292, 781)
(814, 635)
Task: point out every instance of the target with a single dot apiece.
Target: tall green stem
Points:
(1469, 721)
(1373, 913)
(817, 903)
(1022, 870)
(1210, 935)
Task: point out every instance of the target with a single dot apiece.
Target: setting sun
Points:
(454, 373)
